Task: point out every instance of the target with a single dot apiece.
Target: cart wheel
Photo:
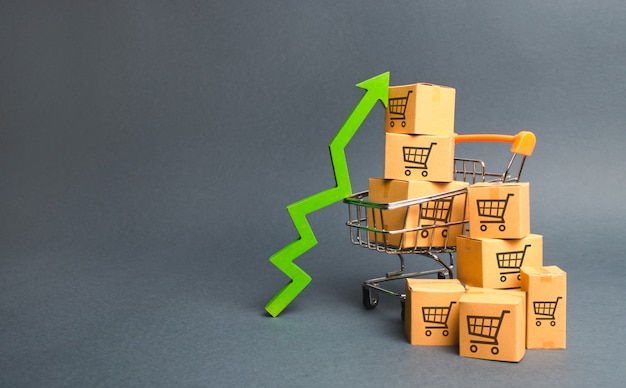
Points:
(402, 305)
(495, 350)
(391, 123)
(445, 333)
(519, 277)
(407, 172)
(403, 124)
(473, 348)
(483, 227)
(552, 323)
(503, 278)
(442, 274)
(444, 233)
(428, 333)
(538, 323)
(424, 173)
(424, 233)
(370, 298)
(502, 227)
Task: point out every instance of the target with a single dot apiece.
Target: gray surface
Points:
(148, 150)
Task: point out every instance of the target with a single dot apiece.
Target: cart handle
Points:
(522, 143)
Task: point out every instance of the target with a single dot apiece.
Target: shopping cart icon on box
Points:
(486, 327)
(511, 261)
(397, 109)
(545, 310)
(416, 158)
(493, 210)
(437, 315)
(439, 212)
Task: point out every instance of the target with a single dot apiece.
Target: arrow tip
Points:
(378, 86)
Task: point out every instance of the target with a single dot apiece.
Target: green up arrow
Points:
(377, 88)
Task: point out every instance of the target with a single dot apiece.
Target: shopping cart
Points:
(493, 210)
(369, 225)
(511, 261)
(417, 157)
(486, 327)
(397, 109)
(438, 316)
(545, 311)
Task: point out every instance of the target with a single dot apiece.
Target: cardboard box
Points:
(511, 291)
(421, 109)
(495, 263)
(431, 312)
(546, 289)
(499, 210)
(492, 326)
(450, 209)
(419, 157)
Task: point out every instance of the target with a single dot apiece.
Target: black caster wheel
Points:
(370, 298)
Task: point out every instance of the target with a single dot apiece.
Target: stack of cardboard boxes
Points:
(419, 161)
(504, 300)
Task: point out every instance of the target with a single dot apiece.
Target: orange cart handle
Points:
(522, 143)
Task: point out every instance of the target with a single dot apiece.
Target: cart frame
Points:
(367, 226)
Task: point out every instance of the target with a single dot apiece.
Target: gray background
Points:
(148, 150)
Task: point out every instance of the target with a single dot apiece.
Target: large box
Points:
(495, 263)
(546, 289)
(492, 326)
(421, 109)
(431, 312)
(499, 210)
(447, 210)
(419, 157)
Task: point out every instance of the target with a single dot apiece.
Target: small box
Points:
(546, 288)
(431, 312)
(499, 210)
(419, 157)
(496, 263)
(444, 211)
(421, 109)
(492, 326)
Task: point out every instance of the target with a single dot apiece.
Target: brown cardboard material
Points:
(419, 157)
(393, 190)
(431, 311)
(492, 326)
(499, 210)
(546, 288)
(495, 263)
(421, 109)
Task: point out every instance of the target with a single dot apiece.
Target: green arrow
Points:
(377, 88)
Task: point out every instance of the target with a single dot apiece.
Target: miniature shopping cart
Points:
(438, 316)
(493, 210)
(397, 109)
(419, 218)
(417, 157)
(511, 262)
(486, 327)
(545, 311)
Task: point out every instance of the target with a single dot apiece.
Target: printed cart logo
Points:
(544, 311)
